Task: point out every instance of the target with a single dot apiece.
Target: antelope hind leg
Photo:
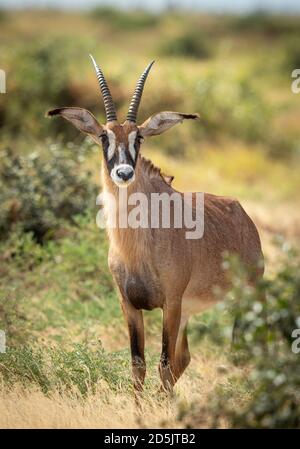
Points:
(182, 353)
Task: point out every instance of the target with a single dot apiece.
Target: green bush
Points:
(269, 24)
(266, 318)
(125, 20)
(38, 193)
(39, 78)
(189, 44)
(292, 54)
(232, 105)
(266, 336)
(3, 15)
(229, 104)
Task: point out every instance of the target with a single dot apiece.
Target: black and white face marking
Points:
(121, 156)
(133, 144)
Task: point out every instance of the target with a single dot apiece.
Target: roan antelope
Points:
(159, 267)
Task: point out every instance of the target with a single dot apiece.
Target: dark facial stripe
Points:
(116, 153)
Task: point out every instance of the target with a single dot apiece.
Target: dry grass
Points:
(106, 409)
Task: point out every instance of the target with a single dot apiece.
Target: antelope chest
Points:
(140, 291)
(140, 287)
(143, 289)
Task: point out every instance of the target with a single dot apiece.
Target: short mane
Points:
(154, 172)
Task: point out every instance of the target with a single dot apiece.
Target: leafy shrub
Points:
(125, 20)
(3, 15)
(39, 78)
(38, 193)
(189, 44)
(230, 104)
(266, 23)
(265, 335)
(292, 54)
(266, 316)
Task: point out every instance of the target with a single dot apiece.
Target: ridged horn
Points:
(136, 98)
(110, 110)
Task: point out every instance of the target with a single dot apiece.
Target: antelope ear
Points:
(81, 119)
(162, 121)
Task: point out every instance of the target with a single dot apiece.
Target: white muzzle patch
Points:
(122, 175)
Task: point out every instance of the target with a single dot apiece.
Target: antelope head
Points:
(120, 142)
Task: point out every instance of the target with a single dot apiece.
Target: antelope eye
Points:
(140, 138)
(104, 138)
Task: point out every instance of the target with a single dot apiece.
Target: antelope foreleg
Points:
(135, 324)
